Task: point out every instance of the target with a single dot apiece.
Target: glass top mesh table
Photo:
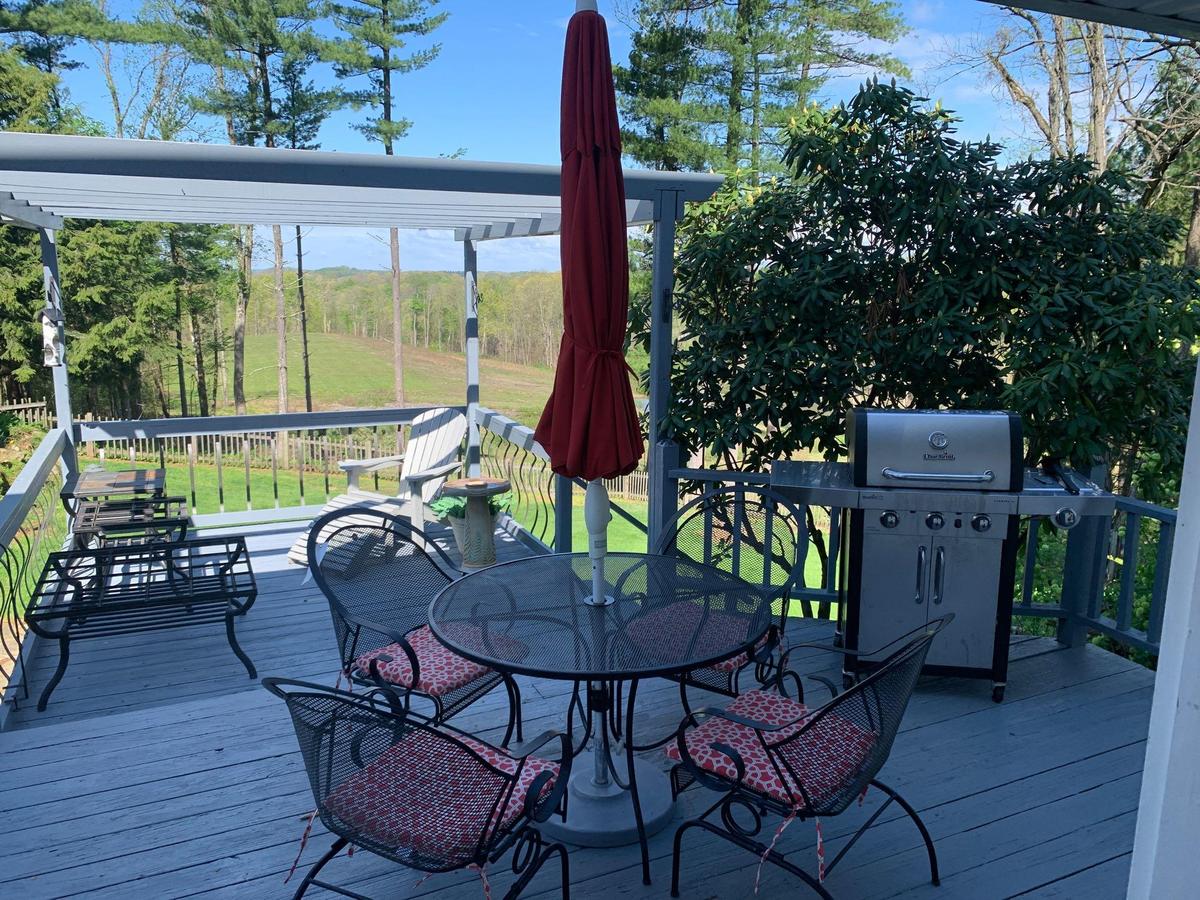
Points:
(667, 616)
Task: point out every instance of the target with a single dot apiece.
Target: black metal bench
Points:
(101, 592)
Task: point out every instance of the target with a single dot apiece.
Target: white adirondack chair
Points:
(432, 453)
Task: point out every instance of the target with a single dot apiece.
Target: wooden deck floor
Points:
(160, 770)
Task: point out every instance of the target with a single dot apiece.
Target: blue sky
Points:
(494, 92)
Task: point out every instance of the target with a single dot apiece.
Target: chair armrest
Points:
(537, 807)
(392, 635)
(712, 712)
(529, 747)
(416, 479)
(370, 465)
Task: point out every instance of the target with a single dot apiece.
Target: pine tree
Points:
(713, 84)
(377, 35)
(303, 109)
(246, 41)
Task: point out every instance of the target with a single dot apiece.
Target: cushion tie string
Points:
(487, 888)
(820, 854)
(775, 840)
(303, 841)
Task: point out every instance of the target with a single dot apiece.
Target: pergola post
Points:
(664, 455)
(1168, 824)
(54, 308)
(471, 297)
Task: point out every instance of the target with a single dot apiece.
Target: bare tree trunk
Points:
(280, 320)
(222, 376)
(308, 405)
(201, 376)
(397, 319)
(1100, 101)
(1191, 249)
(246, 251)
(163, 402)
(173, 250)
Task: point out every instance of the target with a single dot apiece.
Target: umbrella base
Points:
(602, 815)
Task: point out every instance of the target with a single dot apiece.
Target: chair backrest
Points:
(434, 439)
(752, 532)
(390, 782)
(832, 759)
(373, 565)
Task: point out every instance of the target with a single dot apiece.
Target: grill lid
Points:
(940, 449)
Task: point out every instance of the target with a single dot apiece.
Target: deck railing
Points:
(33, 523)
(1108, 575)
(262, 463)
(542, 502)
(817, 595)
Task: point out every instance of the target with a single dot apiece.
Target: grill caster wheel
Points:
(998, 693)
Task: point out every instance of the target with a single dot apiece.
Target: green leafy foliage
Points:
(898, 266)
(456, 507)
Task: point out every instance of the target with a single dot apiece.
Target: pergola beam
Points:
(23, 213)
(1174, 17)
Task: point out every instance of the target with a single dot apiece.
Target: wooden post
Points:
(1168, 825)
(564, 513)
(62, 385)
(668, 209)
(471, 296)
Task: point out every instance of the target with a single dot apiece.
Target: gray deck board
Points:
(161, 770)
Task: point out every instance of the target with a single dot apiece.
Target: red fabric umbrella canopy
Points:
(590, 426)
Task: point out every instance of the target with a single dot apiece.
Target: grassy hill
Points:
(357, 372)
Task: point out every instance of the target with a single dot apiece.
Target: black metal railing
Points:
(33, 523)
(817, 596)
(542, 502)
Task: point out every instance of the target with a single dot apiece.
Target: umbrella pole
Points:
(597, 513)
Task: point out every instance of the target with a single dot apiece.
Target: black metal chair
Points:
(770, 755)
(379, 575)
(428, 797)
(757, 535)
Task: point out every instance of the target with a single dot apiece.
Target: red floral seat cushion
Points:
(422, 796)
(704, 632)
(829, 753)
(441, 670)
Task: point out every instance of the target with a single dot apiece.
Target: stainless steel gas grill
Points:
(932, 502)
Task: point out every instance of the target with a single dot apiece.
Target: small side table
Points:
(476, 533)
(140, 520)
(96, 483)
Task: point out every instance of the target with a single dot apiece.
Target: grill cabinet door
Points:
(894, 588)
(964, 573)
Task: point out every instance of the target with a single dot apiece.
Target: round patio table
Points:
(668, 616)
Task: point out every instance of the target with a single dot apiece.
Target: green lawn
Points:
(357, 372)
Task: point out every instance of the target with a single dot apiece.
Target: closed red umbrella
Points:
(590, 426)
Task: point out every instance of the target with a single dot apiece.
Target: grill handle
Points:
(920, 596)
(939, 575)
(966, 477)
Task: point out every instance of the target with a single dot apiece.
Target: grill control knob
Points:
(1066, 518)
(981, 523)
(935, 521)
(889, 519)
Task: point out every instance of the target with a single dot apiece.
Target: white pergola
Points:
(46, 179)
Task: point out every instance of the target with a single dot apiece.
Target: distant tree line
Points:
(520, 313)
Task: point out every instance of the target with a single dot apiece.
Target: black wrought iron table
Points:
(664, 616)
(125, 590)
